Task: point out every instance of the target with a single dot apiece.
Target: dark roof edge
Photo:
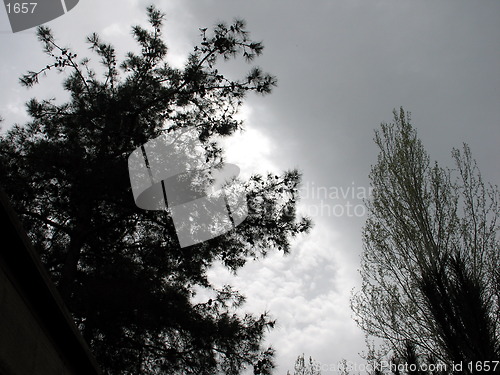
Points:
(41, 294)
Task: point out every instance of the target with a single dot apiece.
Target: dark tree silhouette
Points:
(120, 269)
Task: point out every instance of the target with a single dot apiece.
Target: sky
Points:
(342, 67)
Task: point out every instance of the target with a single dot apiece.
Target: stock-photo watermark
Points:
(25, 15)
(334, 201)
(171, 173)
(392, 367)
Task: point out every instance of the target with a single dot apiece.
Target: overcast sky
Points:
(342, 67)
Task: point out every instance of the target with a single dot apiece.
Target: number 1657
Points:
(21, 7)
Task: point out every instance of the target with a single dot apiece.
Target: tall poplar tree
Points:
(430, 265)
